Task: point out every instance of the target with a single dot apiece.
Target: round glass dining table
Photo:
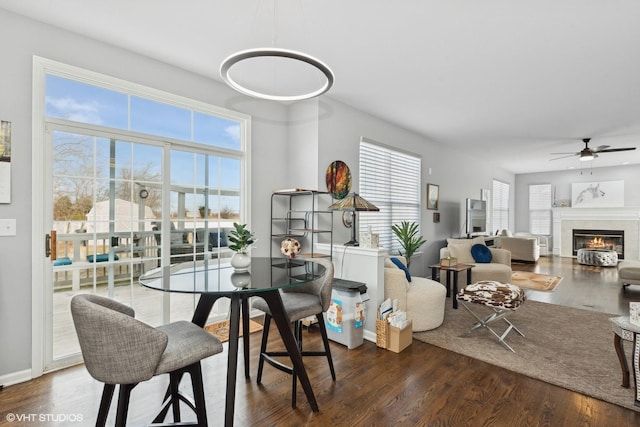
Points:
(216, 278)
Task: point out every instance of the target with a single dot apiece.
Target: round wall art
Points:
(338, 179)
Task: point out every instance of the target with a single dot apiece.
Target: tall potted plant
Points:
(240, 239)
(410, 239)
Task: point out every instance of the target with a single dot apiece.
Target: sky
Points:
(81, 102)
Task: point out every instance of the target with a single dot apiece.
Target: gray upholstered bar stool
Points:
(311, 299)
(120, 350)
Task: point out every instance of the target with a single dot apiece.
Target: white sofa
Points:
(499, 269)
(423, 299)
(521, 248)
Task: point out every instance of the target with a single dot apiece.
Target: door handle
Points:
(50, 245)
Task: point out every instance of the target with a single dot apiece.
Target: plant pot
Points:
(240, 262)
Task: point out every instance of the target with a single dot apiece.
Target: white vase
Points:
(240, 279)
(240, 262)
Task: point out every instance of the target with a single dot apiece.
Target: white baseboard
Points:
(15, 378)
(369, 336)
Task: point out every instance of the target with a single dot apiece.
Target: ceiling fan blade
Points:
(575, 154)
(600, 148)
(613, 150)
(563, 157)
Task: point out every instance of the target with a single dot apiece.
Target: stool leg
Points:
(484, 323)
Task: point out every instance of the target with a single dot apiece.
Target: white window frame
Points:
(40, 170)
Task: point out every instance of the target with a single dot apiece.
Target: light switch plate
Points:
(7, 227)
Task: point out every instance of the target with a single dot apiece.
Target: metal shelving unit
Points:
(302, 215)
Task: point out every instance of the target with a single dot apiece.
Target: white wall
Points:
(311, 143)
(562, 181)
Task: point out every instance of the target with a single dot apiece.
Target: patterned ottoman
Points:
(503, 298)
(598, 257)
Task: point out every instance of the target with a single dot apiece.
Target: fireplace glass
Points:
(599, 239)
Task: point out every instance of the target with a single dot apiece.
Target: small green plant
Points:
(241, 239)
(407, 234)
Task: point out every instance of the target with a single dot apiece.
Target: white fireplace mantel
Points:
(567, 219)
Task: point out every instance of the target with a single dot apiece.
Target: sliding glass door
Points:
(129, 179)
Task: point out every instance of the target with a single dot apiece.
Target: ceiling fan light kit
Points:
(586, 156)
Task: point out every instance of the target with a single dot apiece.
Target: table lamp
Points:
(352, 203)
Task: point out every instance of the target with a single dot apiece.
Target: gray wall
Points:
(28, 38)
(458, 175)
(331, 130)
(562, 181)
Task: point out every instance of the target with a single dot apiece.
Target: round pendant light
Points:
(275, 53)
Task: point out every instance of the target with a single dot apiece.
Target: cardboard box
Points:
(399, 339)
(448, 261)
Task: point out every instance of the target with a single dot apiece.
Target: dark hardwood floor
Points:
(423, 385)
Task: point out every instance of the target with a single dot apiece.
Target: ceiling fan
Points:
(587, 153)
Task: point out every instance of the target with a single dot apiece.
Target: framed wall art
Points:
(433, 196)
(608, 194)
(5, 161)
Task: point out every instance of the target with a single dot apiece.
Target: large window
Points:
(540, 209)
(390, 180)
(157, 117)
(500, 206)
(134, 179)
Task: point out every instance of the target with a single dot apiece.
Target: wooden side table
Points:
(452, 276)
(624, 330)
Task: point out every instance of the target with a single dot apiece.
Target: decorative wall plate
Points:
(338, 179)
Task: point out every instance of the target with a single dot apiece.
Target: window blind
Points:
(390, 180)
(540, 209)
(500, 205)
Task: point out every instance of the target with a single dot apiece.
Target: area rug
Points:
(221, 329)
(564, 346)
(535, 281)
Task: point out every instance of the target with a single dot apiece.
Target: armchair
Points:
(499, 269)
(423, 299)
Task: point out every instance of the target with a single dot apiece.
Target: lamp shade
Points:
(353, 202)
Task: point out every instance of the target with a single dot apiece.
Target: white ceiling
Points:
(506, 81)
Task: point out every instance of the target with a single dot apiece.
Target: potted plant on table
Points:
(240, 239)
(410, 239)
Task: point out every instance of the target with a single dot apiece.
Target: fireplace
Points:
(599, 239)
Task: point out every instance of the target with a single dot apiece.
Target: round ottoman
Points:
(598, 257)
(425, 302)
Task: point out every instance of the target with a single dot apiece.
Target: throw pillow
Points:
(101, 258)
(62, 261)
(402, 267)
(462, 253)
(218, 240)
(481, 253)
